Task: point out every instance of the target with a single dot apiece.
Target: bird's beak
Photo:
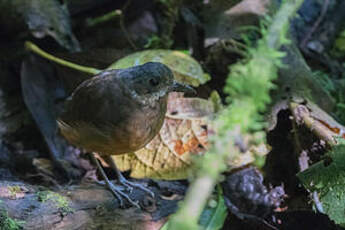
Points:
(178, 87)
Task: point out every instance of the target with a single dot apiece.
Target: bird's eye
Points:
(153, 82)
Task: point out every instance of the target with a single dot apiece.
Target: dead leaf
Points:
(183, 135)
(13, 192)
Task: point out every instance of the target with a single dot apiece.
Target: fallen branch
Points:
(87, 206)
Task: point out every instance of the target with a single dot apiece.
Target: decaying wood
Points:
(86, 206)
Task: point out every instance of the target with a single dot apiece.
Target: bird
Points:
(119, 111)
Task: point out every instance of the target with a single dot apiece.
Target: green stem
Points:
(32, 47)
(280, 22)
(211, 165)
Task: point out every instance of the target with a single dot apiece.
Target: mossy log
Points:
(86, 206)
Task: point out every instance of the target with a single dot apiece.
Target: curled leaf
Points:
(183, 135)
(168, 155)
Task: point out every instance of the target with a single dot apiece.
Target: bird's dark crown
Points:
(148, 79)
(148, 82)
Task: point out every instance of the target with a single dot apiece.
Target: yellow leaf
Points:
(183, 134)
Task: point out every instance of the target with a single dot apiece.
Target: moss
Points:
(248, 86)
(8, 223)
(58, 200)
(13, 190)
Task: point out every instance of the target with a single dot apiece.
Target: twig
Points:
(316, 24)
(32, 47)
(302, 115)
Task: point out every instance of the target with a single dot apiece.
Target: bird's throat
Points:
(149, 99)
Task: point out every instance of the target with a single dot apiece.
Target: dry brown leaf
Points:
(13, 192)
(183, 134)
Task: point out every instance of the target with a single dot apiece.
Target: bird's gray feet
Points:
(129, 185)
(116, 190)
(119, 194)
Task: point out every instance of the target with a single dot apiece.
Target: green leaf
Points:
(213, 218)
(185, 68)
(327, 178)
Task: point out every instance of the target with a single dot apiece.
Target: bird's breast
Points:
(143, 125)
(137, 127)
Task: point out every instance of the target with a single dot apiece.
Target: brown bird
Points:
(119, 111)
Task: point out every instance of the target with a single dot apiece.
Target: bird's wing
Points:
(98, 101)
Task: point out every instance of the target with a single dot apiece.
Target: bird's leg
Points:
(126, 182)
(115, 190)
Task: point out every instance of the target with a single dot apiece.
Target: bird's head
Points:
(152, 81)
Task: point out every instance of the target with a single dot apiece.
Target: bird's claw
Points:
(129, 185)
(119, 194)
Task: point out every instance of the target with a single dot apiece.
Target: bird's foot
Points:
(116, 190)
(119, 194)
(129, 185)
